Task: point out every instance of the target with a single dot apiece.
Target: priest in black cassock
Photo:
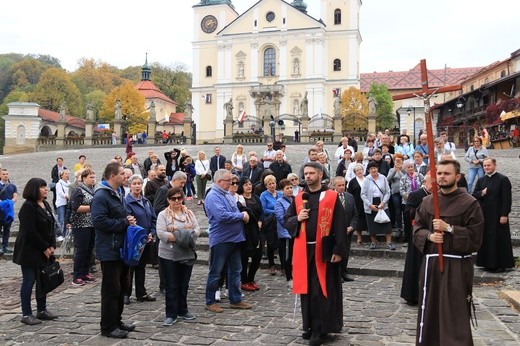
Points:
(493, 191)
(317, 253)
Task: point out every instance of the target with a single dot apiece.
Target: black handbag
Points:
(51, 276)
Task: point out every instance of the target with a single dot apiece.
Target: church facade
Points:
(274, 62)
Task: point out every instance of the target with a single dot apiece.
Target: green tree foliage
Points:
(354, 109)
(384, 108)
(54, 88)
(132, 107)
(93, 75)
(96, 97)
(13, 96)
(173, 82)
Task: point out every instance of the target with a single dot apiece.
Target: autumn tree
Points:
(354, 109)
(54, 88)
(132, 107)
(384, 109)
(92, 75)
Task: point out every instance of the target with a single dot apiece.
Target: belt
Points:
(311, 242)
(423, 306)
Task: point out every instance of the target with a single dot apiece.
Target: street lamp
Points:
(272, 124)
(409, 111)
(461, 102)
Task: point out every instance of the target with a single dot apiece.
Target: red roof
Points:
(403, 80)
(54, 117)
(150, 91)
(176, 119)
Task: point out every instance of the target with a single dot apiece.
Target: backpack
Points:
(136, 238)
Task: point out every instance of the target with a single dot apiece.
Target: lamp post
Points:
(409, 111)
(272, 124)
(461, 102)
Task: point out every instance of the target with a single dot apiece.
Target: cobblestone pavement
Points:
(373, 312)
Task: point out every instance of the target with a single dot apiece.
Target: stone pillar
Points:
(305, 135)
(338, 128)
(228, 130)
(371, 123)
(60, 138)
(118, 125)
(89, 130)
(152, 128)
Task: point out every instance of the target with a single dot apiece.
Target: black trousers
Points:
(249, 271)
(344, 260)
(140, 273)
(113, 290)
(285, 250)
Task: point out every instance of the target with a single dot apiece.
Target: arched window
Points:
(209, 71)
(337, 16)
(502, 73)
(337, 65)
(269, 62)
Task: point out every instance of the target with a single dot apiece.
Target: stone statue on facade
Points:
(241, 69)
(372, 103)
(90, 111)
(304, 106)
(188, 109)
(118, 112)
(63, 107)
(337, 105)
(153, 115)
(296, 66)
(228, 106)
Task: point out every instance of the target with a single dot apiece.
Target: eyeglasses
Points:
(293, 179)
(176, 198)
(234, 183)
(228, 180)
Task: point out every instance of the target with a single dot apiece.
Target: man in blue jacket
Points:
(110, 221)
(227, 232)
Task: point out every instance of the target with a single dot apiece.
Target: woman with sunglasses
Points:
(177, 229)
(295, 182)
(251, 247)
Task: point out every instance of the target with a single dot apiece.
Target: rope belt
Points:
(311, 242)
(423, 306)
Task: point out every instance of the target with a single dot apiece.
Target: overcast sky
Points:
(396, 33)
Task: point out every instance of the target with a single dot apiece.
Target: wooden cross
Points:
(425, 94)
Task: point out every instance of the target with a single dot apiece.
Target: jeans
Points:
(472, 173)
(398, 210)
(113, 290)
(84, 238)
(6, 231)
(221, 254)
(61, 219)
(177, 280)
(189, 190)
(29, 277)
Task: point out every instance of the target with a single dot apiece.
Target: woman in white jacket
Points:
(62, 199)
(203, 174)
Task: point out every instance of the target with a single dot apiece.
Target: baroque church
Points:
(275, 65)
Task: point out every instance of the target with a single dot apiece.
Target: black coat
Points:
(36, 234)
(170, 159)
(280, 171)
(255, 176)
(213, 163)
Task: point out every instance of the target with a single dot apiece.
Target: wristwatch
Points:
(449, 229)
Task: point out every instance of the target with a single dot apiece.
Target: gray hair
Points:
(179, 176)
(134, 177)
(219, 174)
(358, 166)
(407, 164)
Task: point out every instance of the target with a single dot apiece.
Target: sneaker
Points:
(78, 282)
(390, 246)
(169, 321)
(88, 279)
(217, 296)
(60, 238)
(241, 305)
(7, 250)
(30, 320)
(373, 246)
(214, 308)
(255, 285)
(189, 198)
(187, 316)
(248, 287)
(225, 293)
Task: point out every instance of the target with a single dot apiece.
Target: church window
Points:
(208, 98)
(502, 73)
(209, 71)
(337, 65)
(269, 62)
(337, 16)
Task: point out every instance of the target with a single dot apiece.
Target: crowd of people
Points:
(258, 206)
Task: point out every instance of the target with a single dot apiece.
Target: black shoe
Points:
(306, 335)
(347, 278)
(46, 316)
(127, 327)
(126, 300)
(161, 290)
(30, 320)
(316, 340)
(146, 298)
(411, 302)
(116, 333)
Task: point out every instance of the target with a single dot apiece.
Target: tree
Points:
(354, 109)
(92, 75)
(132, 107)
(384, 109)
(54, 88)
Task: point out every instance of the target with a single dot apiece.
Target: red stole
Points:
(324, 223)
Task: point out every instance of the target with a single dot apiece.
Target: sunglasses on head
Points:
(176, 198)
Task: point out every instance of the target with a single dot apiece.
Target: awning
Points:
(510, 115)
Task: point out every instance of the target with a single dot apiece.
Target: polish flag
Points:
(241, 117)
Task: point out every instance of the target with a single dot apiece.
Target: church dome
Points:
(300, 5)
(214, 2)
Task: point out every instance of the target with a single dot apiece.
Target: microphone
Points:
(305, 197)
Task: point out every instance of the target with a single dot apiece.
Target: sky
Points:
(396, 33)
